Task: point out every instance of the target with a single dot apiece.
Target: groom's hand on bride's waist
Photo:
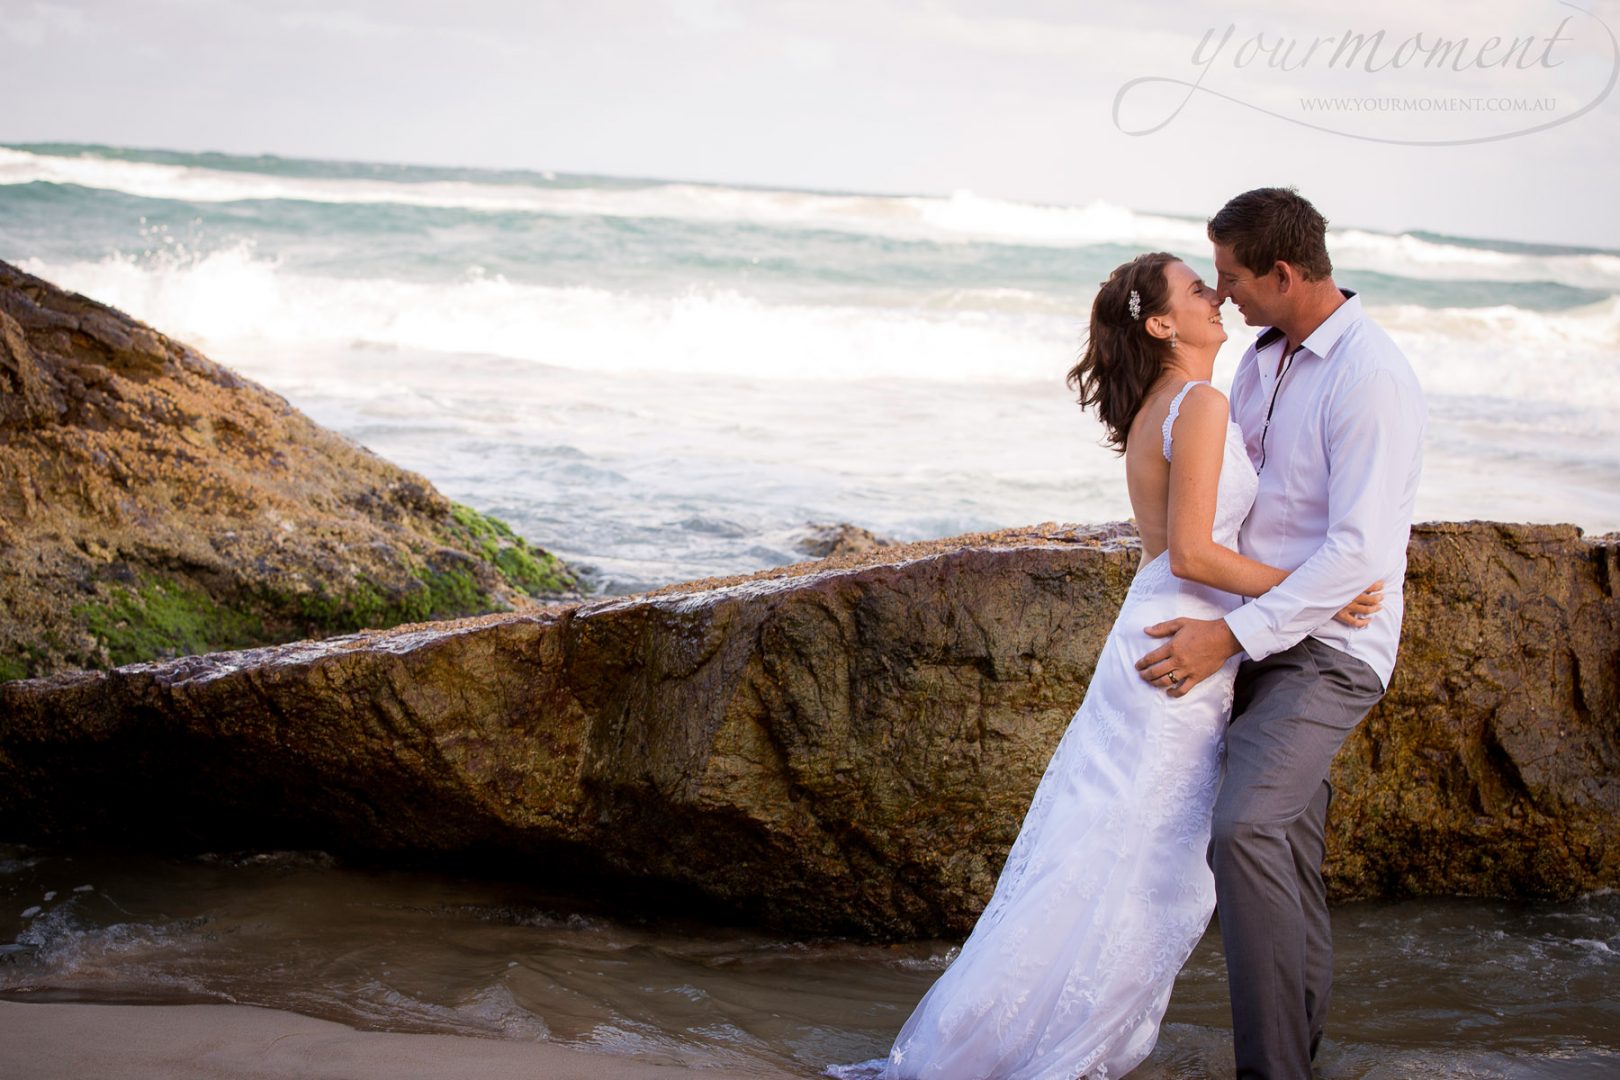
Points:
(1196, 650)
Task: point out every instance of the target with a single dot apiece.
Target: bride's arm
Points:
(1195, 473)
(1198, 447)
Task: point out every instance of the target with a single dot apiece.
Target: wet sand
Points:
(237, 1042)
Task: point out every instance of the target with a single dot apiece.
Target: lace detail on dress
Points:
(1150, 575)
(1175, 409)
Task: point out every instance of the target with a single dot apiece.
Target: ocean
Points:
(661, 380)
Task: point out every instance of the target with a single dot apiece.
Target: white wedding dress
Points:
(1106, 890)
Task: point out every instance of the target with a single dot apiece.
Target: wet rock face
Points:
(154, 503)
(842, 746)
(1492, 766)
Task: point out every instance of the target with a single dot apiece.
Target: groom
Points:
(1333, 418)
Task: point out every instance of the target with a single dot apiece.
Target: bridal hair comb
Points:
(1136, 305)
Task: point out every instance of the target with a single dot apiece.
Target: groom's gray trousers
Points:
(1290, 713)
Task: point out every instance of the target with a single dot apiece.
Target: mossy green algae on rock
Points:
(154, 503)
(528, 569)
(165, 617)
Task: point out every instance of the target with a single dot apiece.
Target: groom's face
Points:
(1255, 295)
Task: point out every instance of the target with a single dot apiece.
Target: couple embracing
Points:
(1260, 628)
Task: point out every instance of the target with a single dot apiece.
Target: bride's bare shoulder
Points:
(1204, 396)
(1201, 402)
(1202, 416)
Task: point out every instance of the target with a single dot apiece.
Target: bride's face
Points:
(1195, 308)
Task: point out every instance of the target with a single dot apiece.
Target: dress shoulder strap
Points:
(1175, 408)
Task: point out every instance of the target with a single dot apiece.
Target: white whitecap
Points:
(232, 296)
(960, 216)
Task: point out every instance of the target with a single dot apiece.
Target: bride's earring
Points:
(1173, 341)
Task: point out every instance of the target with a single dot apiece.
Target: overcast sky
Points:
(1014, 99)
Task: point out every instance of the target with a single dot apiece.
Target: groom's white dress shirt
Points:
(1338, 479)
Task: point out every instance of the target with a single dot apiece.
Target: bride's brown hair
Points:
(1121, 359)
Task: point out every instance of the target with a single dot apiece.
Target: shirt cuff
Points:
(1248, 625)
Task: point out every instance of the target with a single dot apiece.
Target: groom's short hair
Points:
(1266, 225)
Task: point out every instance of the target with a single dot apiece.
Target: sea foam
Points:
(962, 216)
(234, 297)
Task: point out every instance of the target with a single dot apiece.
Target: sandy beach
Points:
(237, 1042)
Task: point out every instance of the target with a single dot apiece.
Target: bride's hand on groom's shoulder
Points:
(1196, 650)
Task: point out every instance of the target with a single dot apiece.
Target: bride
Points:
(1106, 890)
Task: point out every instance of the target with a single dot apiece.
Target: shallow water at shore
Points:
(1430, 988)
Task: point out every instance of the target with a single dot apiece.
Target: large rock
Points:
(825, 539)
(842, 746)
(154, 503)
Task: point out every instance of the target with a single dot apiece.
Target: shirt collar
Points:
(1324, 337)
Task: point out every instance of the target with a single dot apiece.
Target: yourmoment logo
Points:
(1433, 86)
